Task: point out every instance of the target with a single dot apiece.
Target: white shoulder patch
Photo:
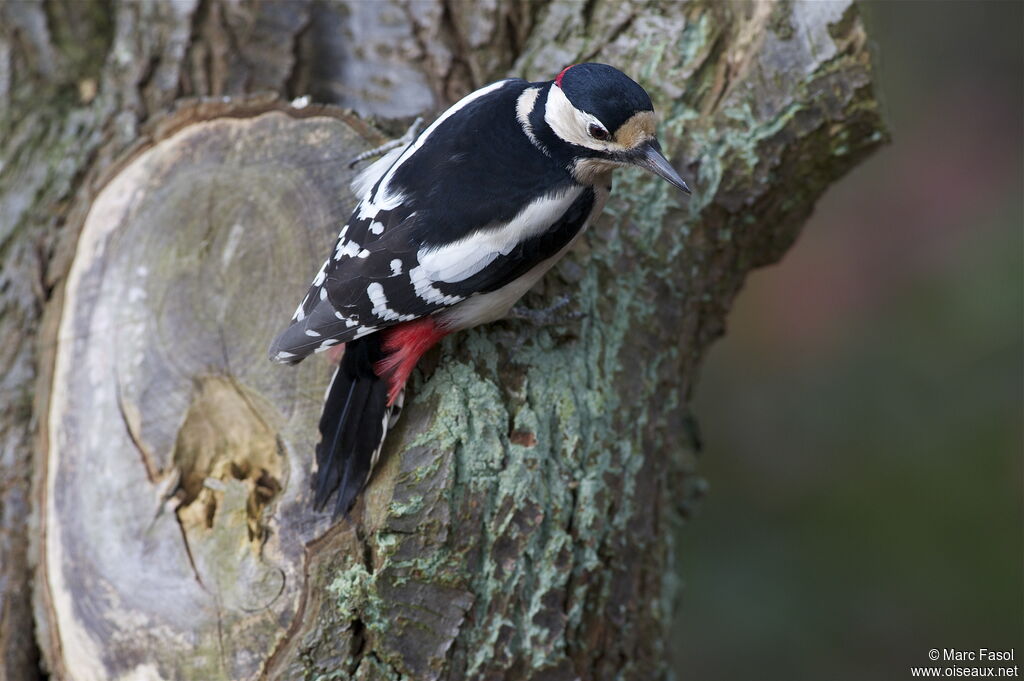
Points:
(462, 259)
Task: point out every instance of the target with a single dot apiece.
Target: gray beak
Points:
(650, 158)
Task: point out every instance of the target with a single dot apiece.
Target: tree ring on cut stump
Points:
(177, 511)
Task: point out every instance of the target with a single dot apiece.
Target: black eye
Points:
(597, 132)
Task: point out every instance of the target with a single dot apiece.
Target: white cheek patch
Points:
(571, 124)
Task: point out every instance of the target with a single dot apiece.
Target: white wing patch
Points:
(458, 262)
(425, 289)
(462, 259)
(326, 345)
(380, 305)
(318, 280)
(382, 200)
(347, 247)
(349, 323)
(300, 311)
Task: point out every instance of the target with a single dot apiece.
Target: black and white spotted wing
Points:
(437, 226)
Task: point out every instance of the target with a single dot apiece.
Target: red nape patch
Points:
(404, 345)
(558, 78)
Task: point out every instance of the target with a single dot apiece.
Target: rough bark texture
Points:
(519, 526)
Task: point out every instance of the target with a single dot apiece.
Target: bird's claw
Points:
(546, 316)
(405, 139)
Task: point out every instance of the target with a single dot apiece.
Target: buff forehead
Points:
(637, 129)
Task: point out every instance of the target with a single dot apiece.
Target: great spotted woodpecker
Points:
(451, 230)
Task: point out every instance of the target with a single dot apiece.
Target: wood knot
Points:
(225, 438)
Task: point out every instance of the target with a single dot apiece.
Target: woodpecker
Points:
(450, 231)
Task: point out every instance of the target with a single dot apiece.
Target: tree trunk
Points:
(161, 205)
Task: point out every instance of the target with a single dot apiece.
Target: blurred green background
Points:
(863, 416)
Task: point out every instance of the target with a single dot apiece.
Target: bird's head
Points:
(608, 120)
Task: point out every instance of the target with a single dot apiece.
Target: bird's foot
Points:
(547, 316)
(405, 139)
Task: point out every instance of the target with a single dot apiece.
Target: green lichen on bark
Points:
(537, 486)
(518, 525)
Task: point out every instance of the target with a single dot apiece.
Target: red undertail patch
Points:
(404, 345)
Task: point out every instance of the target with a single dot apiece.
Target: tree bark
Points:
(162, 202)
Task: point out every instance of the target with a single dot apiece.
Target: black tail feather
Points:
(352, 426)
